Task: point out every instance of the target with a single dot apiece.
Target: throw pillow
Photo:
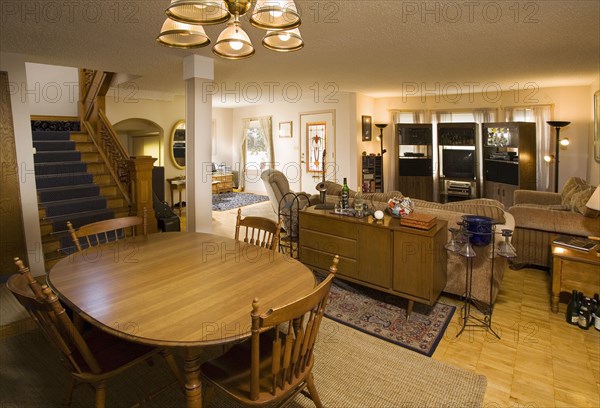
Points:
(572, 186)
(580, 199)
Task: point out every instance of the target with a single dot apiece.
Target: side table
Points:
(573, 269)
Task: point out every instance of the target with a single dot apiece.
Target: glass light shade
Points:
(275, 15)
(594, 201)
(564, 142)
(198, 11)
(181, 35)
(233, 43)
(283, 41)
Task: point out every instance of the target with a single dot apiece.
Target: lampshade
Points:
(198, 11)
(283, 41)
(275, 15)
(180, 35)
(233, 42)
(594, 201)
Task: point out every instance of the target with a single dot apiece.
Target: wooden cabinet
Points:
(372, 171)
(414, 153)
(224, 185)
(386, 256)
(509, 159)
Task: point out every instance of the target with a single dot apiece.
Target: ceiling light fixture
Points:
(279, 17)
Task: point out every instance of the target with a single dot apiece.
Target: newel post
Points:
(140, 171)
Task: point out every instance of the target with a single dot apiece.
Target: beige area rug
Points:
(352, 369)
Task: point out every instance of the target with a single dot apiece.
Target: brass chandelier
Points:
(183, 26)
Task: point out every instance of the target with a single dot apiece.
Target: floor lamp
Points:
(381, 126)
(557, 125)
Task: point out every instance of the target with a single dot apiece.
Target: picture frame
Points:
(366, 128)
(316, 141)
(597, 126)
(285, 130)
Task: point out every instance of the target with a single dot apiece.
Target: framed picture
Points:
(597, 126)
(316, 141)
(366, 128)
(285, 129)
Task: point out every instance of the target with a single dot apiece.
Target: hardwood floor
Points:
(540, 361)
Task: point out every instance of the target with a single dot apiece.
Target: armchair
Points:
(285, 202)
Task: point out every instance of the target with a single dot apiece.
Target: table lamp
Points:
(594, 204)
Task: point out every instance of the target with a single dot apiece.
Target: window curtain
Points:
(417, 116)
(544, 144)
(245, 128)
(266, 125)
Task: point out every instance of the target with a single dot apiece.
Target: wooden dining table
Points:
(184, 290)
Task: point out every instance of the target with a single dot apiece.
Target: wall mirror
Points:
(178, 144)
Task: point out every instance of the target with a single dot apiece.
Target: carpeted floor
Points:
(352, 369)
(384, 315)
(228, 201)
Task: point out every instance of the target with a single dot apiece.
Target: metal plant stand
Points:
(474, 312)
(288, 212)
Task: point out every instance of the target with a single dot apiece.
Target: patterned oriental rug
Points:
(383, 315)
(229, 201)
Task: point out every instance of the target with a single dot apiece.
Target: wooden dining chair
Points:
(107, 231)
(258, 231)
(276, 364)
(92, 358)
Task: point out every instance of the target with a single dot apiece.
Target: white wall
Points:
(593, 170)
(51, 90)
(287, 150)
(14, 64)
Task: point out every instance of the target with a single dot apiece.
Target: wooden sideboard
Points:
(224, 185)
(386, 256)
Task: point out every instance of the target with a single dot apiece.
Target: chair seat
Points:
(231, 371)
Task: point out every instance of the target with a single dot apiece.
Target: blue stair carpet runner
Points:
(66, 190)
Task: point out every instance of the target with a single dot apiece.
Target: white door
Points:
(317, 133)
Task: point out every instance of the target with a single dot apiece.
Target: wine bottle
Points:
(584, 314)
(345, 195)
(596, 312)
(572, 309)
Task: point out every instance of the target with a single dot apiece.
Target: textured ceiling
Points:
(378, 48)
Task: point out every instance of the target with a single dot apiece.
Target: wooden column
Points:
(140, 170)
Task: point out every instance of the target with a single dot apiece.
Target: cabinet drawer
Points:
(331, 244)
(328, 226)
(323, 260)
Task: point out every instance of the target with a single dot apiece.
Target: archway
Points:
(142, 137)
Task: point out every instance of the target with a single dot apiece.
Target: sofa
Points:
(540, 216)
(456, 264)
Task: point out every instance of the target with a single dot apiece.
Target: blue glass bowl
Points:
(480, 227)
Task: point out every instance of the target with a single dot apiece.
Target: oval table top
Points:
(177, 289)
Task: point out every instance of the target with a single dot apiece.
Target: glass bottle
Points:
(359, 202)
(573, 309)
(584, 314)
(596, 312)
(345, 195)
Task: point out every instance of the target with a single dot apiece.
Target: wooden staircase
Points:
(95, 199)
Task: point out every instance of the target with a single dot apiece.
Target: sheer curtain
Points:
(544, 145)
(266, 126)
(245, 129)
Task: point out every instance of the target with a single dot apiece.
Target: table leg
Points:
(179, 188)
(554, 304)
(409, 309)
(193, 385)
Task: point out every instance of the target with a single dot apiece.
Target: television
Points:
(458, 163)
